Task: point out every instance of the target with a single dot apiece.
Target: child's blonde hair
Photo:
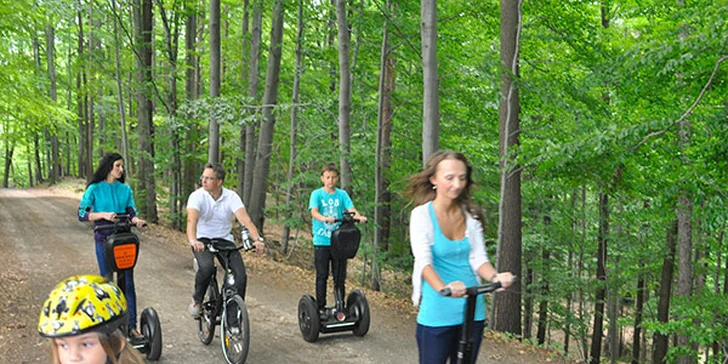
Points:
(113, 345)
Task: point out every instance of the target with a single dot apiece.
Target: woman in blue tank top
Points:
(447, 242)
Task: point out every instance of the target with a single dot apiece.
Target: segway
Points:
(465, 345)
(122, 250)
(352, 315)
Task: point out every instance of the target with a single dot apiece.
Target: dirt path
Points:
(42, 242)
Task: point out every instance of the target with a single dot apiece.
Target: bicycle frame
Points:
(223, 256)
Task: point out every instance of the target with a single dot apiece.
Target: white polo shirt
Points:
(215, 219)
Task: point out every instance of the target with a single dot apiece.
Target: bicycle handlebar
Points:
(222, 245)
(476, 290)
(122, 221)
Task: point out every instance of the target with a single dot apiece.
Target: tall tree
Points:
(192, 91)
(170, 23)
(663, 305)
(507, 312)
(119, 93)
(270, 99)
(294, 124)
(251, 139)
(145, 172)
(214, 130)
(52, 92)
(344, 96)
(382, 206)
(431, 86)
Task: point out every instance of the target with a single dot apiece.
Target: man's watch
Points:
(260, 239)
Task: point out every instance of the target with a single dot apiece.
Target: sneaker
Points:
(194, 309)
(135, 335)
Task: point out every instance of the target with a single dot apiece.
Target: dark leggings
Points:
(206, 264)
(322, 256)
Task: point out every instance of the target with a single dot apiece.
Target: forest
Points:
(597, 131)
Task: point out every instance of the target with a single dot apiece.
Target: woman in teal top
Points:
(447, 243)
(106, 196)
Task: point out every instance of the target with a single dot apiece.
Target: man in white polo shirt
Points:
(210, 210)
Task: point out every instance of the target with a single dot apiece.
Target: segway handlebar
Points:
(348, 217)
(476, 290)
(122, 221)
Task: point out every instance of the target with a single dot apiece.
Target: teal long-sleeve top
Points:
(106, 197)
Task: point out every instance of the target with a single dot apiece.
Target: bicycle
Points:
(465, 345)
(222, 305)
(121, 249)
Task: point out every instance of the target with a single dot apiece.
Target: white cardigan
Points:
(422, 239)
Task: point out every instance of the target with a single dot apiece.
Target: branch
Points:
(688, 111)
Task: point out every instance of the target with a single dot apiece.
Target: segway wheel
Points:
(152, 331)
(358, 307)
(206, 321)
(308, 318)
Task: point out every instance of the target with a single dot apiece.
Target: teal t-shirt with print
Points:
(328, 204)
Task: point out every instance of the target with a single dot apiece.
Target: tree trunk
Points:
(9, 148)
(597, 333)
(265, 142)
(90, 106)
(120, 98)
(251, 139)
(294, 124)
(544, 304)
(244, 59)
(50, 47)
(190, 169)
(663, 305)
(214, 131)
(344, 96)
(685, 249)
(145, 173)
(430, 99)
(507, 305)
(382, 209)
(171, 40)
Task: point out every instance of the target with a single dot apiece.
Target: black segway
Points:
(465, 345)
(352, 315)
(122, 250)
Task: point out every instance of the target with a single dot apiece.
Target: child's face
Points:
(329, 179)
(85, 349)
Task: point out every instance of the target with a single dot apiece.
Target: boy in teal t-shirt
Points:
(327, 204)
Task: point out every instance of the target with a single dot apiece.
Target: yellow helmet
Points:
(82, 303)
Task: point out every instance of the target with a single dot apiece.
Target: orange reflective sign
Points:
(125, 255)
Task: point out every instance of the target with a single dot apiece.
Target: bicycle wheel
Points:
(235, 331)
(206, 321)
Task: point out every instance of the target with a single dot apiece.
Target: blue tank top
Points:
(451, 261)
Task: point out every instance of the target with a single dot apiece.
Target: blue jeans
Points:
(437, 344)
(129, 291)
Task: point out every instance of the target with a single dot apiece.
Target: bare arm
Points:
(192, 216)
(317, 215)
(487, 271)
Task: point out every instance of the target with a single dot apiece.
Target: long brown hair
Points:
(113, 344)
(420, 190)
